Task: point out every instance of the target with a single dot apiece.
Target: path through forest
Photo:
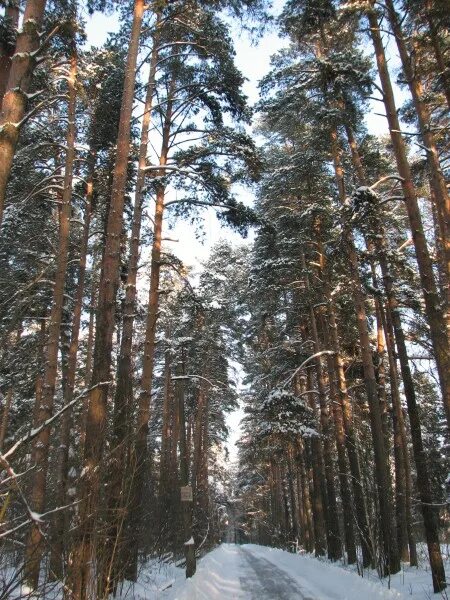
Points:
(252, 572)
(263, 579)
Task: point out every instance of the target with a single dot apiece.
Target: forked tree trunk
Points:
(14, 103)
(83, 560)
(42, 441)
(433, 312)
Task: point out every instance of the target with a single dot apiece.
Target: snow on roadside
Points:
(217, 577)
(156, 581)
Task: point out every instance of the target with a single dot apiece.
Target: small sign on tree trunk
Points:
(186, 493)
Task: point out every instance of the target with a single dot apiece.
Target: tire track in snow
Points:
(270, 583)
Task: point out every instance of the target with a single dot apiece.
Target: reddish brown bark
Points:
(443, 69)
(402, 467)
(42, 441)
(61, 521)
(333, 533)
(118, 491)
(391, 562)
(83, 561)
(143, 416)
(433, 312)
(440, 194)
(5, 417)
(339, 432)
(14, 102)
(7, 51)
(423, 482)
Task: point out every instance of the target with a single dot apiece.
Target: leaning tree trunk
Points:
(433, 311)
(83, 562)
(34, 549)
(23, 63)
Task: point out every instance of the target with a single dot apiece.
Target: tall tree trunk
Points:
(403, 515)
(83, 562)
(350, 439)
(295, 512)
(143, 416)
(344, 477)
(390, 559)
(433, 312)
(307, 506)
(423, 482)
(403, 481)
(334, 537)
(437, 180)
(60, 542)
(115, 546)
(42, 441)
(317, 481)
(12, 15)
(165, 473)
(14, 103)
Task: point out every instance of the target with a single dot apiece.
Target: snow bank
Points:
(217, 577)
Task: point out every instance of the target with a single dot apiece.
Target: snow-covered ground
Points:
(257, 572)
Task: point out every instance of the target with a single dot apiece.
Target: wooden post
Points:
(189, 545)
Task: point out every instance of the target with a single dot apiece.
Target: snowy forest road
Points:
(263, 580)
(252, 572)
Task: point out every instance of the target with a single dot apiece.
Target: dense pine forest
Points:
(327, 326)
